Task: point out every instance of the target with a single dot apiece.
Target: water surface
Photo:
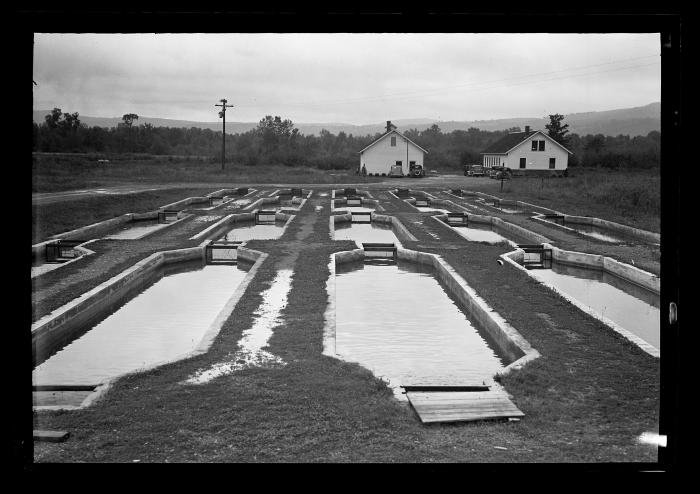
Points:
(136, 229)
(165, 320)
(365, 232)
(251, 231)
(398, 321)
(632, 307)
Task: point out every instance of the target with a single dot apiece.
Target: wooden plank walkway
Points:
(59, 398)
(51, 436)
(455, 406)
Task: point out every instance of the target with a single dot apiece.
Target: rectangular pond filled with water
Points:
(365, 232)
(136, 229)
(251, 231)
(397, 320)
(485, 232)
(632, 307)
(424, 209)
(162, 321)
(600, 233)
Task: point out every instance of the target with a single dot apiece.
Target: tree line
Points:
(277, 141)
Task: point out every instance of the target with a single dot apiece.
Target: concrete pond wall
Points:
(498, 224)
(628, 231)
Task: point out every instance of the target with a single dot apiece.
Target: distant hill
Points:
(628, 121)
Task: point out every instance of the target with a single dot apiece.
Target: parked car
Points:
(501, 172)
(416, 171)
(396, 171)
(475, 171)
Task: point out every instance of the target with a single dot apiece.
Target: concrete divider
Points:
(499, 224)
(398, 228)
(511, 343)
(626, 230)
(602, 263)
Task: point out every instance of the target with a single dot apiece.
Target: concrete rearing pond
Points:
(165, 319)
(415, 322)
(397, 320)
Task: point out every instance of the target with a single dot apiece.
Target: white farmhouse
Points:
(390, 149)
(529, 150)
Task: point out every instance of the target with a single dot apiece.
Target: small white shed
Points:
(390, 149)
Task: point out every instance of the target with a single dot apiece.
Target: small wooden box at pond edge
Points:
(167, 215)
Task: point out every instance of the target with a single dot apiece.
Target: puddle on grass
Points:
(164, 320)
(365, 232)
(135, 229)
(251, 351)
(251, 231)
(398, 321)
(632, 307)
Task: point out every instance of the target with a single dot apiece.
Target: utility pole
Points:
(222, 114)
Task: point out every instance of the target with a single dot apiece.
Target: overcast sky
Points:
(348, 78)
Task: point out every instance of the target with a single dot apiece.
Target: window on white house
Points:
(522, 162)
(552, 162)
(399, 163)
(541, 145)
(534, 145)
(393, 141)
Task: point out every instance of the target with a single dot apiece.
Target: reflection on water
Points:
(365, 232)
(597, 232)
(354, 208)
(486, 232)
(424, 209)
(398, 321)
(251, 231)
(135, 229)
(632, 307)
(165, 320)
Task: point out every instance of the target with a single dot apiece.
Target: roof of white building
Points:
(514, 139)
(387, 134)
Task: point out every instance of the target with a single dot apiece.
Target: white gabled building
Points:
(391, 148)
(529, 150)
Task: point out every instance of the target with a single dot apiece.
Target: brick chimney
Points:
(527, 128)
(389, 125)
